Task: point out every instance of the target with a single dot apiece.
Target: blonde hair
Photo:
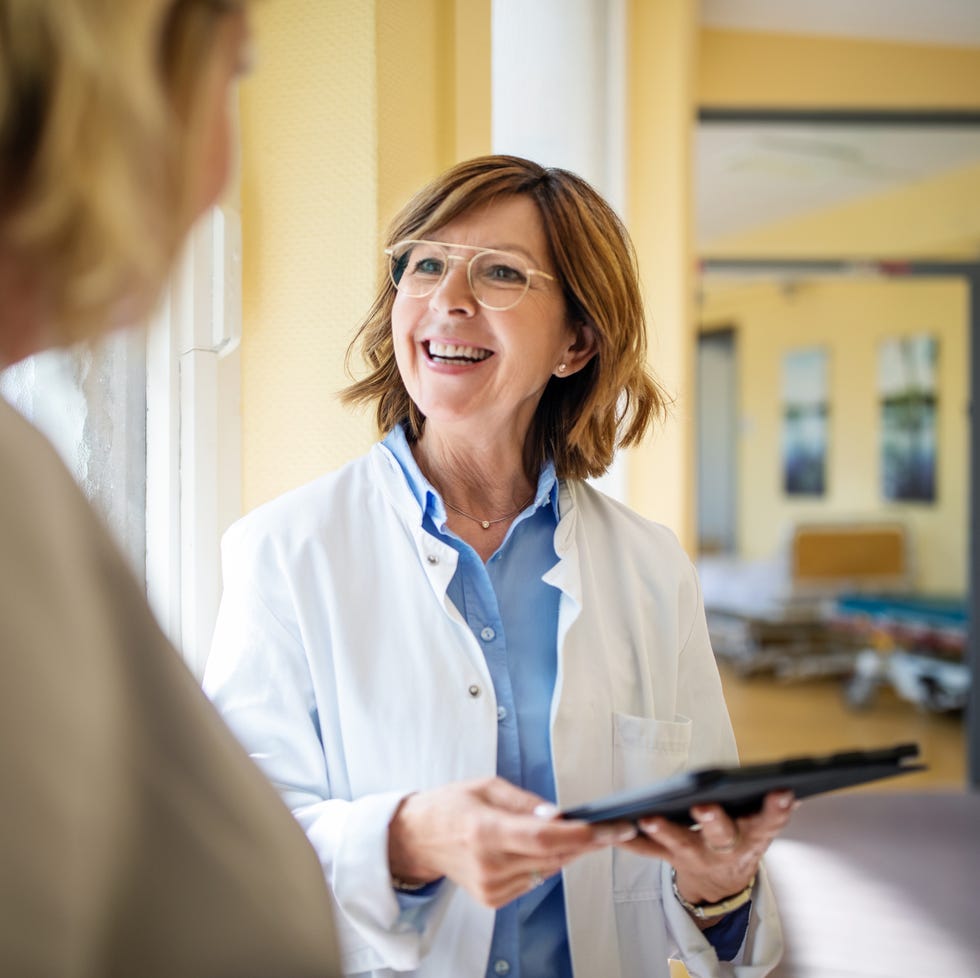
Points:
(96, 112)
(581, 419)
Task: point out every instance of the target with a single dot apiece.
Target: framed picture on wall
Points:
(907, 395)
(805, 410)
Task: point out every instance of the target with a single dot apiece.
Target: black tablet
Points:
(741, 790)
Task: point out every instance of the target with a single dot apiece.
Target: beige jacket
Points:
(136, 837)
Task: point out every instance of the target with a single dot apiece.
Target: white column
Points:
(559, 82)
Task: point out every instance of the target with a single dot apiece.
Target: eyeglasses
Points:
(498, 279)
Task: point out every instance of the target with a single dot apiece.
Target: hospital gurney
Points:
(778, 615)
(913, 643)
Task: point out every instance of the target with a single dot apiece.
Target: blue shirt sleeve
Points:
(727, 935)
(416, 906)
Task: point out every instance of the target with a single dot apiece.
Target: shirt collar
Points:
(428, 499)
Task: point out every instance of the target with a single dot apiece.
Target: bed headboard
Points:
(850, 556)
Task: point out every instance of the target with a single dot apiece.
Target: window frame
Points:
(193, 433)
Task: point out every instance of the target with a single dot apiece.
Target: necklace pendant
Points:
(485, 524)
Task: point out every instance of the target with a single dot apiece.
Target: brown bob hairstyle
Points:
(580, 419)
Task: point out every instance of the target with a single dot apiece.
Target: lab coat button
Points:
(474, 691)
(501, 967)
(488, 634)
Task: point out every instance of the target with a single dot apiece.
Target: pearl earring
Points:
(562, 367)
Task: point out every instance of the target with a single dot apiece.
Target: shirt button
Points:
(432, 558)
(501, 712)
(474, 690)
(501, 967)
(488, 634)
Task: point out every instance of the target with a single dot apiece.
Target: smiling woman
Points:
(528, 642)
(518, 342)
(581, 239)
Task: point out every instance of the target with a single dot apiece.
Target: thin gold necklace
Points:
(486, 524)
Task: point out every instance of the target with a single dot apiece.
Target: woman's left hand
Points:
(720, 859)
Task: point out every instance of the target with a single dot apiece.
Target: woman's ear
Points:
(579, 352)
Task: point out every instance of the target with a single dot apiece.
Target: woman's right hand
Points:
(485, 836)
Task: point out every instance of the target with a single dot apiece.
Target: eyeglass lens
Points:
(498, 279)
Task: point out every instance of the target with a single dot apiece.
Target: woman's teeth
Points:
(454, 353)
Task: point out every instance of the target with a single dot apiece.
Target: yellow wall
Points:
(849, 318)
(354, 106)
(433, 67)
(309, 211)
(663, 52)
(938, 216)
(749, 70)
(672, 73)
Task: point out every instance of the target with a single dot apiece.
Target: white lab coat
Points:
(351, 678)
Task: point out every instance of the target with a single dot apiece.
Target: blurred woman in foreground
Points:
(137, 838)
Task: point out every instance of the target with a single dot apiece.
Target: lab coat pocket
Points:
(644, 751)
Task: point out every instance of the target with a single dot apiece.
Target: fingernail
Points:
(546, 810)
(650, 828)
(786, 799)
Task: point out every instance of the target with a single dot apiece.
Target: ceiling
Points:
(917, 21)
(749, 175)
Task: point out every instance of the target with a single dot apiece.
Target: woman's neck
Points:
(483, 478)
(483, 485)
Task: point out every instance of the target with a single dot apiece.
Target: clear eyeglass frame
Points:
(428, 286)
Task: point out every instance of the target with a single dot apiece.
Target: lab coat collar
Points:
(566, 574)
(437, 558)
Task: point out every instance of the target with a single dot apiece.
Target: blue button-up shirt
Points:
(513, 614)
